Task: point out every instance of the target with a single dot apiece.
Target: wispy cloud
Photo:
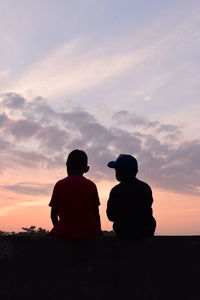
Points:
(70, 70)
(28, 188)
(79, 64)
(4, 211)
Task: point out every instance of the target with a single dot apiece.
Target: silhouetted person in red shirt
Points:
(75, 201)
(129, 204)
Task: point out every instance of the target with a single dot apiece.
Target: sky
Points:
(108, 77)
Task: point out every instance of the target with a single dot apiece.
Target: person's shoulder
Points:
(61, 181)
(143, 184)
(89, 182)
(116, 188)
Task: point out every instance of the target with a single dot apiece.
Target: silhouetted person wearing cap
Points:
(129, 203)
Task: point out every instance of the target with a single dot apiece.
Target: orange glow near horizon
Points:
(176, 214)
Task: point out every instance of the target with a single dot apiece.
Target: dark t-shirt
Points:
(76, 201)
(129, 207)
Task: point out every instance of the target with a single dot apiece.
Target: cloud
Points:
(52, 138)
(23, 128)
(28, 188)
(3, 119)
(125, 117)
(13, 101)
(4, 145)
(70, 70)
(6, 209)
(147, 60)
(132, 120)
(182, 168)
(41, 138)
(22, 158)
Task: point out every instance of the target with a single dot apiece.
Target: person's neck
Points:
(75, 174)
(128, 179)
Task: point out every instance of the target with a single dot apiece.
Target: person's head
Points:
(126, 167)
(77, 163)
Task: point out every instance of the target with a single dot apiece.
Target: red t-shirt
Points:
(76, 201)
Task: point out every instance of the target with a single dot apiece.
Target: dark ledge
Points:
(162, 267)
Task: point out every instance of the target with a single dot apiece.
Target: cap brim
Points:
(111, 164)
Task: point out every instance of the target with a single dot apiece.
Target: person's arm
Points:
(110, 211)
(150, 196)
(54, 216)
(97, 203)
(53, 205)
(97, 215)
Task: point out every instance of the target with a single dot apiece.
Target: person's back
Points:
(75, 202)
(129, 204)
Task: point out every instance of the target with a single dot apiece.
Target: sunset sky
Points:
(108, 77)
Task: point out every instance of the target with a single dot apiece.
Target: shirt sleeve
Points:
(54, 198)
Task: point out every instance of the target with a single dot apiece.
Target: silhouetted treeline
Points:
(38, 231)
(27, 231)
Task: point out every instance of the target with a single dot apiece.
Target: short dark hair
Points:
(77, 159)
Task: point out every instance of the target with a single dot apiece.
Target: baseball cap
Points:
(124, 163)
